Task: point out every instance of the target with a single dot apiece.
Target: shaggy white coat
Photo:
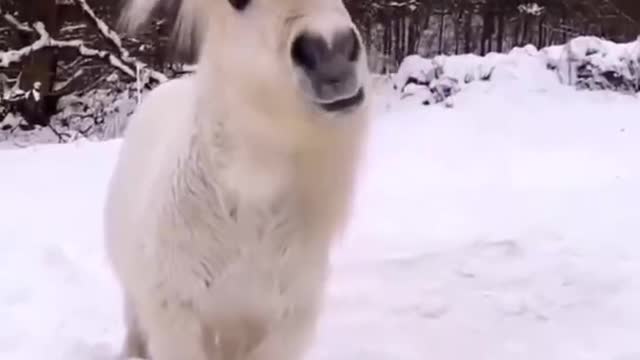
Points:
(228, 191)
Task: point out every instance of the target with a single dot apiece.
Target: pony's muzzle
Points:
(331, 68)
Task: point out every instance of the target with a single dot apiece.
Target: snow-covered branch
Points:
(20, 26)
(46, 41)
(531, 9)
(122, 60)
(115, 40)
(104, 29)
(14, 56)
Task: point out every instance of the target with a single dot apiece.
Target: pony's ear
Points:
(186, 17)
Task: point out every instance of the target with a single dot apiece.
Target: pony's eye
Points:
(239, 4)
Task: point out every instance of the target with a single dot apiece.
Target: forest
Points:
(62, 47)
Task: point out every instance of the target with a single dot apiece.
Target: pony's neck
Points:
(259, 157)
(243, 154)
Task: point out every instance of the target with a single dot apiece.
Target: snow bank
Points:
(584, 62)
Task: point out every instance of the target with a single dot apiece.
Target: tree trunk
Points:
(525, 30)
(516, 36)
(456, 30)
(41, 65)
(412, 36)
(387, 39)
(563, 21)
(500, 39)
(467, 31)
(488, 27)
(441, 34)
(541, 32)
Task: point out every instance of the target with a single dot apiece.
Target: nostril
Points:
(333, 81)
(308, 50)
(346, 43)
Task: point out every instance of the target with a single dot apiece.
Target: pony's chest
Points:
(251, 255)
(222, 233)
(256, 178)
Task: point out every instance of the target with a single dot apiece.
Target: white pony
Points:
(232, 183)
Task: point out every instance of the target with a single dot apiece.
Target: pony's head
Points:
(305, 54)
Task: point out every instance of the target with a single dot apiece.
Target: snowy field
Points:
(503, 228)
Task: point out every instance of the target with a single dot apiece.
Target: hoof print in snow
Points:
(484, 256)
(448, 103)
(507, 248)
(15, 297)
(465, 272)
(433, 309)
(512, 306)
(632, 356)
(55, 257)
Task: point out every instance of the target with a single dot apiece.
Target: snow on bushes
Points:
(423, 80)
(432, 81)
(596, 64)
(587, 63)
(98, 114)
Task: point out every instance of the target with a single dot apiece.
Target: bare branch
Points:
(61, 135)
(79, 61)
(67, 84)
(622, 13)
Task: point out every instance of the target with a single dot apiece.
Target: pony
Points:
(232, 184)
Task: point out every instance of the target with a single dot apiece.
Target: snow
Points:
(502, 228)
(505, 228)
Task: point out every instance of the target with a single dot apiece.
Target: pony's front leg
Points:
(174, 333)
(290, 338)
(135, 343)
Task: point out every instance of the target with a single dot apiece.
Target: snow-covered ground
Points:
(504, 228)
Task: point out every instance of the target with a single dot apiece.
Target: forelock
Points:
(187, 17)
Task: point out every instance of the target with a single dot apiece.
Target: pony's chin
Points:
(342, 104)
